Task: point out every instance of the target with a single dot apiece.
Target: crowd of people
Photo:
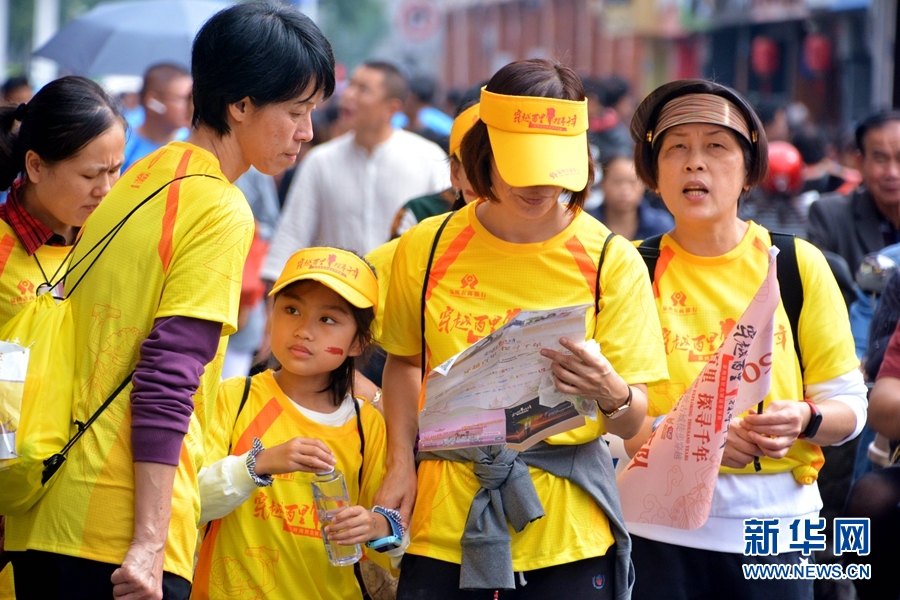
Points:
(258, 289)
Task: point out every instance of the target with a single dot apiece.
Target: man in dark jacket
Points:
(868, 219)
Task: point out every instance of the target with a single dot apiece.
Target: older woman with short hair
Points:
(701, 147)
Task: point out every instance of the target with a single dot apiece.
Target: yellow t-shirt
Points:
(478, 283)
(380, 258)
(181, 254)
(701, 298)
(271, 546)
(20, 274)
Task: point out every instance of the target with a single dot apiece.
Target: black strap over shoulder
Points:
(108, 238)
(600, 266)
(434, 244)
(53, 464)
(247, 382)
(649, 251)
(790, 283)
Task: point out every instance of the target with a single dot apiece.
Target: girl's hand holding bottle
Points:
(298, 454)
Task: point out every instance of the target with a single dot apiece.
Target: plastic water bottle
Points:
(330, 494)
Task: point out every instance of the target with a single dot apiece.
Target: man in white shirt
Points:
(348, 190)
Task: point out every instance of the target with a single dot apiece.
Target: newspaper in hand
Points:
(500, 390)
(670, 481)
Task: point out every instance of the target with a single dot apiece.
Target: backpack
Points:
(36, 403)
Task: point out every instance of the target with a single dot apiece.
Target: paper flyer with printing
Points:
(500, 390)
(671, 479)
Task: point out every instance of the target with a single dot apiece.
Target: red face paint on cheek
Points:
(337, 351)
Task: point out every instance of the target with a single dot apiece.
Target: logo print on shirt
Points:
(679, 305)
(467, 288)
(26, 293)
(25, 287)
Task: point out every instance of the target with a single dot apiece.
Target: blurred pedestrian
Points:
(624, 209)
(16, 90)
(348, 190)
(166, 99)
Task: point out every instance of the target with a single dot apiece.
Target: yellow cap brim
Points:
(344, 272)
(345, 291)
(529, 159)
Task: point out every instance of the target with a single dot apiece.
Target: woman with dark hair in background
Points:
(702, 148)
(121, 519)
(58, 164)
(524, 249)
(59, 156)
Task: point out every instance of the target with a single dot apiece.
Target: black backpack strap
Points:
(247, 381)
(362, 440)
(434, 244)
(649, 251)
(108, 238)
(600, 266)
(52, 464)
(790, 283)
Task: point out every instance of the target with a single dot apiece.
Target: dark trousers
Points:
(423, 578)
(47, 576)
(680, 573)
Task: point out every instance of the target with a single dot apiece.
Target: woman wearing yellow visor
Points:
(518, 248)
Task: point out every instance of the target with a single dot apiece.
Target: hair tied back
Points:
(19, 113)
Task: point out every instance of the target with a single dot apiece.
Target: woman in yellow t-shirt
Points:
(519, 248)
(701, 147)
(60, 153)
(59, 156)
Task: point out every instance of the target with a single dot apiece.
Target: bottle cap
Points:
(328, 472)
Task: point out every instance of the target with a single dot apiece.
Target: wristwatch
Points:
(393, 541)
(619, 410)
(814, 421)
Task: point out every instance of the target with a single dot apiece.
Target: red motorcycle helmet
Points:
(785, 174)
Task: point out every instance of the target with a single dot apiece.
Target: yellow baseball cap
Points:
(461, 126)
(538, 141)
(344, 272)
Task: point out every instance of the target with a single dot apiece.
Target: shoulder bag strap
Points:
(649, 251)
(247, 382)
(52, 464)
(434, 244)
(108, 238)
(600, 266)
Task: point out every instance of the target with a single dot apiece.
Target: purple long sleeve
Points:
(173, 357)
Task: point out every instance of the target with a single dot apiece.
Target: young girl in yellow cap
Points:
(271, 433)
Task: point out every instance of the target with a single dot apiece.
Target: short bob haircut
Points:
(646, 154)
(265, 52)
(63, 117)
(538, 78)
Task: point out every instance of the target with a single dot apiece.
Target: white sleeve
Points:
(849, 389)
(440, 171)
(224, 486)
(299, 220)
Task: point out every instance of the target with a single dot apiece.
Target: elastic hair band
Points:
(19, 113)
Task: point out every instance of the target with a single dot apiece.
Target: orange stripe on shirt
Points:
(665, 257)
(760, 245)
(168, 223)
(584, 262)
(6, 247)
(258, 426)
(440, 266)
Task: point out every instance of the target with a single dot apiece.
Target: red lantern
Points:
(765, 58)
(817, 51)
